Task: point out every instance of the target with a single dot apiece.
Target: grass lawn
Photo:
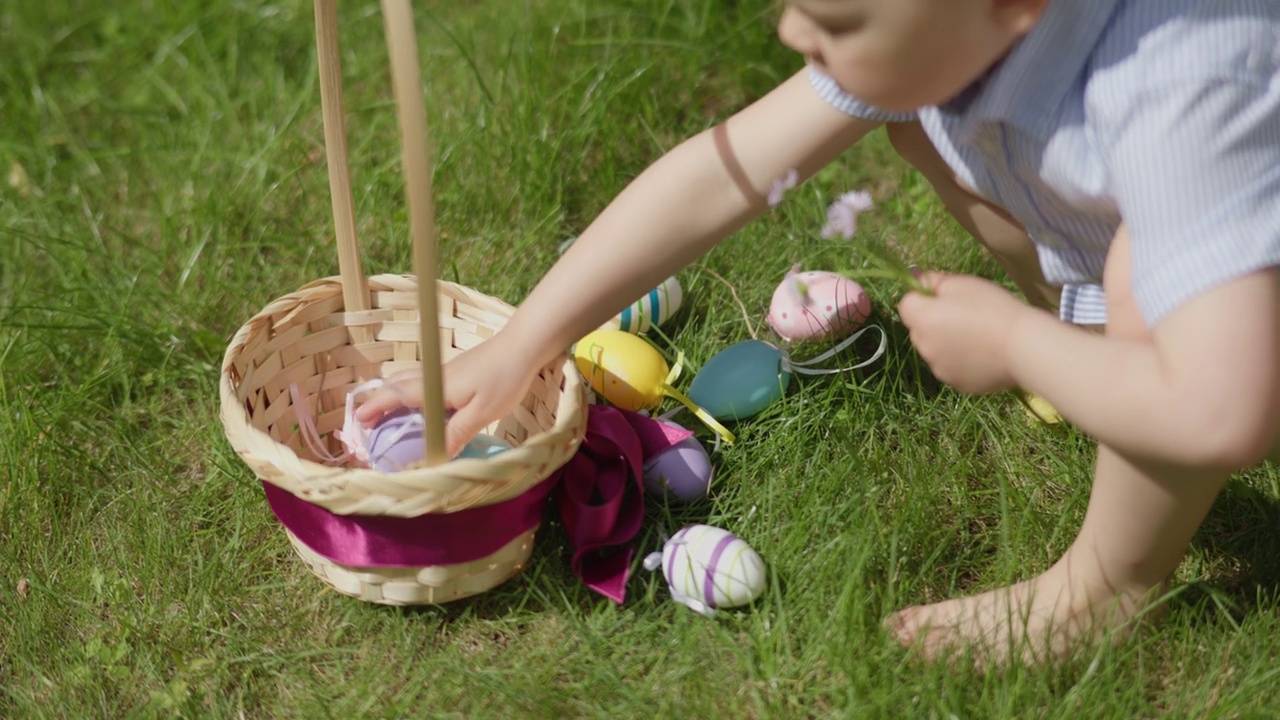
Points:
(164, 179)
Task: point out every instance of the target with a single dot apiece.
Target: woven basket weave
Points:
(305, 338)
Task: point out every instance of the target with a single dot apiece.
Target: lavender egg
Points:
(396, 443)
(682, 471)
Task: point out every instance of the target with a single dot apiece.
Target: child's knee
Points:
(913, 144)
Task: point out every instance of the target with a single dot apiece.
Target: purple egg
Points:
(396, 441)
(682, 471)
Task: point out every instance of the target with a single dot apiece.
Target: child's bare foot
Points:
(1033, 621)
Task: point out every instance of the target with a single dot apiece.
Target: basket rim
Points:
(332, 486)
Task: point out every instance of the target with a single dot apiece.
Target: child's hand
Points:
(404, 389)
(480, 386)
(963, 331)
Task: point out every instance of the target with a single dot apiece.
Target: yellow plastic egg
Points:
(622, 368)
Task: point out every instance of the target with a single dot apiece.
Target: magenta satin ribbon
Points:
(601, 499)
(601, 493)
(381, 541)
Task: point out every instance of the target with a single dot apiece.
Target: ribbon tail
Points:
(720, 430)
(307, 429)
(601, 500)
(804, 368)
(608, 575)
(676, 368)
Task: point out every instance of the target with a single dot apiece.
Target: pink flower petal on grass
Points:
(842, 215)
(781, 186)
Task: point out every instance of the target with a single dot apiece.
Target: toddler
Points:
(1121, 158)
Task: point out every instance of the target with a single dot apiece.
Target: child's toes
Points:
(902, 626)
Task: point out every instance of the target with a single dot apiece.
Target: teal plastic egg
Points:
(741, 380)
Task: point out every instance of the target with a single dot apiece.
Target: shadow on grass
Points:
(900, 366)
(1242, 551)
(547, 582)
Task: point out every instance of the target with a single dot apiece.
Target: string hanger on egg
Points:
(745, 378)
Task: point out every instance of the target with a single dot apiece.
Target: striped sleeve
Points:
(828, 89)
(1083, 304)
(1195, 170)
(1188, 124)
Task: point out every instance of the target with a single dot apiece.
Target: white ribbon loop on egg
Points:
(805, 368)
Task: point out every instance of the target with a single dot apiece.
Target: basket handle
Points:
(355, 291)
(397, 18)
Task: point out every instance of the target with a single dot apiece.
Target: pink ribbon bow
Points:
(601, 493)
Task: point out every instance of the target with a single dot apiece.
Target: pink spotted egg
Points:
(817, 304)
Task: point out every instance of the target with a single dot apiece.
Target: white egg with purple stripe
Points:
(655, 308)
(708, 568)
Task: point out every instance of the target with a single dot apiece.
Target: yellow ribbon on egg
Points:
(693, 407)
(631, 373)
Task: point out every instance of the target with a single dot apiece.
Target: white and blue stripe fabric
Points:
(1165, 113)
(831, 91)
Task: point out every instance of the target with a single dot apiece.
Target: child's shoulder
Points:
(1150, 44)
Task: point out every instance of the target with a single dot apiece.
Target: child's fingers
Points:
(932, 280)
(914, 303)
(460, 397)
(375, 406)
(382, 401)
(909, 308)
(461, 428)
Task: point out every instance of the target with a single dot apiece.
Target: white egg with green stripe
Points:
(708, 568)
(655, 308)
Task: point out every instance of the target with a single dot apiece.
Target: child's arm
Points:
(679, 208)
(1202, 389)
(1193, 167)
(676, 210)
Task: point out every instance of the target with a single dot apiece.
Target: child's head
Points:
(904, 54)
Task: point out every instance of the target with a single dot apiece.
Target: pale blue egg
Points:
(741, 380)
(483, 446)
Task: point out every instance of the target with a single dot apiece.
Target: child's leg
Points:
(1003, 236)
(1138, 524)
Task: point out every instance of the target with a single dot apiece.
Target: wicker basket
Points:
(333, 334)
(305, 338)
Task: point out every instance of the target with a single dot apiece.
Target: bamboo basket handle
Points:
(355, 291)
(397, 18)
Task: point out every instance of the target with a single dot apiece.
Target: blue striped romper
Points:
(1165, 113)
